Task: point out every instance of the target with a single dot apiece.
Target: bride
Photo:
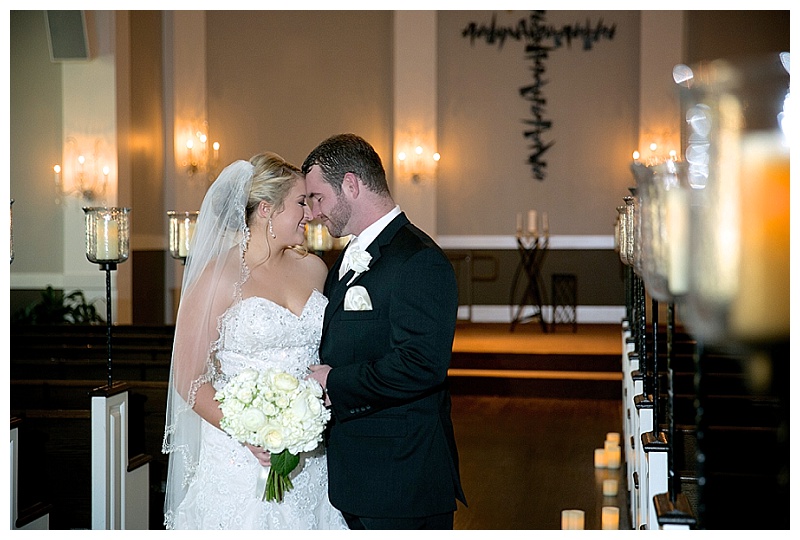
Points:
(250, 298)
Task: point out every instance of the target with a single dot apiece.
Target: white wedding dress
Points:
(226, 491)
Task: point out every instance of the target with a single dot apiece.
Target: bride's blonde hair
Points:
(273, 179)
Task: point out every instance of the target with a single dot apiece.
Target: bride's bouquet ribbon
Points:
(278, 412)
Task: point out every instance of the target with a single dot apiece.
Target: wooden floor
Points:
(529, 409)
(525, 458)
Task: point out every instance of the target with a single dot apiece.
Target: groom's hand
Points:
(319, 372)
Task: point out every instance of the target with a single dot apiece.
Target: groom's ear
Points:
(350, 184)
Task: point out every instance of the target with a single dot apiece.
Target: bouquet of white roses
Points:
(278, 412)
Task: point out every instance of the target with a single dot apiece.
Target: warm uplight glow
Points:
(201, 156)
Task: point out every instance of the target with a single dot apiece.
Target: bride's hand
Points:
(261, 455)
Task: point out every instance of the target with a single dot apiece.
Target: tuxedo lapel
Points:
(338, 287)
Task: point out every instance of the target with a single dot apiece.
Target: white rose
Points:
(244, 394)
(286, 382)
(272, 438)
(359, 260)
(252, 419)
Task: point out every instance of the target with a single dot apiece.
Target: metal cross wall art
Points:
(537, 33)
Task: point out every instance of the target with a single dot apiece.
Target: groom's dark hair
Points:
(344, 153)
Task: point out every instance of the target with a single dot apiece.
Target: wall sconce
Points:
(416, 162)
(200, 156)
(84, 175)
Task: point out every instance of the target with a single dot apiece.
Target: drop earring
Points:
(271, 232)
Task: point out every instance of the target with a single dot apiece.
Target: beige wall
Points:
(285, 80)
(592, 100)
(35, 128)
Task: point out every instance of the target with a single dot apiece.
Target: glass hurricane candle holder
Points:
(107, 234)
(181, 232)
(664, 221)
(11, 230)
(622, 234)
(630, 231)
(738, 282)
(317, 236)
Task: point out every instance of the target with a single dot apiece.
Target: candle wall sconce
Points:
(85, 174)
(181, 232)
(417, 162)
(199, 154)
(107, 244)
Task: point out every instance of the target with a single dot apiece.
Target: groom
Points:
(386, 343)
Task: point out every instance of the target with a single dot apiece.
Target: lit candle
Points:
(613, 457)
(761, 306)
(677, 222)
(610, 487)
(57, 171)
(600, 460)
(107, 239)
(572, 520)
(610, 445)
(532, 221)
(185, 234)
(612, 436)
(215, 146)
(610, 519)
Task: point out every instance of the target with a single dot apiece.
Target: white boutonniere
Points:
(358, 261)
(357, 299)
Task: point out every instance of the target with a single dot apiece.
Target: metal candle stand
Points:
(107, 244)
(532, 250)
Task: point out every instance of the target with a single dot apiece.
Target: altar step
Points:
(545, 375)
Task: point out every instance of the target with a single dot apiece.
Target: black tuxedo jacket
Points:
(390, 443)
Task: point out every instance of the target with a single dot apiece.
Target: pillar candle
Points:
(572, 520)
(612, 436)
(761, 306)
(677, 224)
(519, 223)
(613, 457)
(600, 460)
(545, 223)
(185, 234)
(107, 239)
(610, 487)
(532, 221)
(610, 519)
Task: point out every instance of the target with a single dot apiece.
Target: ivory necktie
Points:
(346, 260)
